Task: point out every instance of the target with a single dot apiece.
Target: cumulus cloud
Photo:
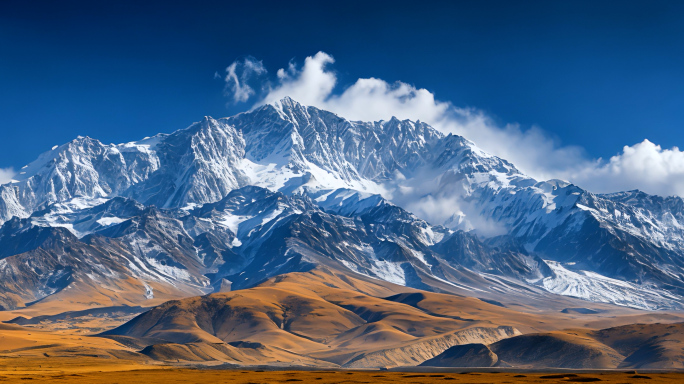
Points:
(6, 175)
(238, 74)
(366, 99)
(644, 166)
(311, 85)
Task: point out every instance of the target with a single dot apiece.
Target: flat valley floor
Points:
(95, 370)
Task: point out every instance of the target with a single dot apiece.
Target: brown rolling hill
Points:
(325, 317)
(646, 346)
(556, 350)
(642, 346)
(465, 355)
(328, 318)
(532, 351)
(319, 314)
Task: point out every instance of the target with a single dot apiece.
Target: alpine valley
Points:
(288, 235)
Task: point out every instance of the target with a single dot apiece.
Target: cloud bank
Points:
(644, 166)
(6, 175)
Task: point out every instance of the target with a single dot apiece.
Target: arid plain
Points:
(351, 377)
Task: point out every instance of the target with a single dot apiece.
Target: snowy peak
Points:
(272, 146)
(302, 137)
(199, 164)
(83, 168)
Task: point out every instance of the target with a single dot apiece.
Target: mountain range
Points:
(284, 188)
(406, 242)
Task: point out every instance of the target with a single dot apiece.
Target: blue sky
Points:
(594, 77)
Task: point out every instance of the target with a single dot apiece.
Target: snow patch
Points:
(594, 287)
(107, 221)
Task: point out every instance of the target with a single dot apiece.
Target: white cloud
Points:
(451, 211)
(367, 99)
(310, 86)
(6, 175)
(644, 166)
(237, 76)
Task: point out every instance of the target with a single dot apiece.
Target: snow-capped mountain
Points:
(286, 187)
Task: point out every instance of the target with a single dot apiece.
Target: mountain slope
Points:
(250, 235)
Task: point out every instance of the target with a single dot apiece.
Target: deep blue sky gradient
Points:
(595, 75)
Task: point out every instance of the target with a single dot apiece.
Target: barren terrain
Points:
(325, 319)
(108, 374)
